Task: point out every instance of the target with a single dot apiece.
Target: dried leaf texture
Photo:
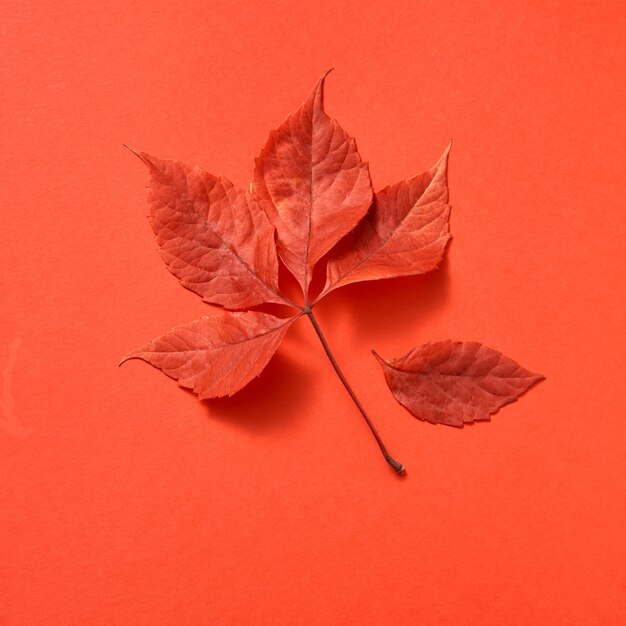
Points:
(213, 236)
(313, 185)
(218, 354)
(454, 382)
(311, 196)
(404, 233)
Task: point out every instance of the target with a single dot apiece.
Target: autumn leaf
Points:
(313, 185)
(311, 197)
(404, 233)
(219, 354)
(213, 236)
(455, 382)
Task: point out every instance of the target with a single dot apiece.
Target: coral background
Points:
(127, 501)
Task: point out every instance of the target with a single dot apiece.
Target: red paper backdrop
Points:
(126, 501)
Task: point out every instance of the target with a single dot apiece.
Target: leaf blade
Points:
(455, 382)
(212, 235)
(218, 354)
(405, 232)
(313, 185)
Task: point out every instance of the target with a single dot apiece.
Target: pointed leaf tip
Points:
(325, 75)
(148, 160)
(138, 153)
(380, 358)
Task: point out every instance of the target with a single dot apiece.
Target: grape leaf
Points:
(455, 382)
(311, 197)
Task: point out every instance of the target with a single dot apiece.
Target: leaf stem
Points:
(397, 466)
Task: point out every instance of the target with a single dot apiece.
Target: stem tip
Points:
(398, 468)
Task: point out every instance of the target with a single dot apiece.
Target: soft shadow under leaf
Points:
(269, 403)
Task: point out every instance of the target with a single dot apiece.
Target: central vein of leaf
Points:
(310, 216)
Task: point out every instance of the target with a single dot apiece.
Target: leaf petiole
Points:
(396, 465)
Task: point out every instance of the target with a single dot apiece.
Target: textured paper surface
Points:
(127, 501)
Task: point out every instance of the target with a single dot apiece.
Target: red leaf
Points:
(311, 193)
(404, 233)
(218, 354)
(213, 236)
(454, 382)
(313, 185)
